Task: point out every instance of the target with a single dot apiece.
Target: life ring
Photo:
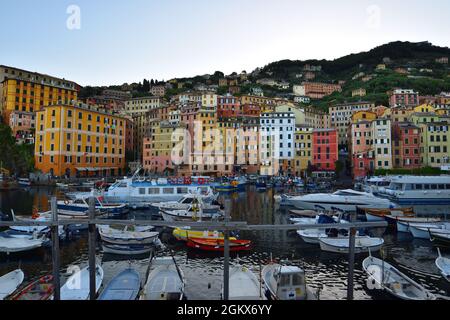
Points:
(187, 180)
(201, 181)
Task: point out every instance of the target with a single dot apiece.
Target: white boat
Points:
(125, 237)
(185, 202)
(345, 200)
(422, 230)
(24, 182)
(375, 184)
(136, 191)
(385, 276)
(419, 190)
(10, 282)
(80, 207)
(403, 223)
(62, 185)
(443, 265)
(312, 235)
(194, 213)
(77, 285)
(244, 285)
(126, 250)
(285, 283)
(165, 281)
(341, 245)
(9, 244)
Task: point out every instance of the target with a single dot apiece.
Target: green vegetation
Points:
(15, 158)
(419, 172)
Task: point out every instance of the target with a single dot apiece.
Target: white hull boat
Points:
(345, 200)
(403, 223)
(126, 250)
(341, 245)
(244, 285)
(10, 282)
(189, 215)
(77, 285)
(13, 244)
(125, 237)
(422, 231)
(387, 277)
(312, 236)
(165, 281)
(443, 265)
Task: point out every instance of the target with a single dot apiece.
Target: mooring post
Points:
(92, 247)
(351, 260)
(55, 250)
(226, 260)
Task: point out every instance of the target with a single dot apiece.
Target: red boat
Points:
(41, 289)
(218, 244)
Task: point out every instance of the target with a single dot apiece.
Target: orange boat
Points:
(218, 244)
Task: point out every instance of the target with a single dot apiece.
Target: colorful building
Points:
(316, 90)
(23, 125)
(435, 144)
(79, 140)
(325, 149)
(228, 106)
(403, 98)
(406, 145)
(303, 149)
(382, 143)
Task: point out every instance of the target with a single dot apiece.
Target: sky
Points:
(107, 42)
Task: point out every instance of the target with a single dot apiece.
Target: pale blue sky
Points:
(125, 41)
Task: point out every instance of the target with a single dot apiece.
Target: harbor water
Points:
(326, 272)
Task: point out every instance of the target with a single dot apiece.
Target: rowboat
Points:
(374, 215)
(9, 244)
(182, 234)
(130, 249)
(40, 289)
(124, 286)
(10, 282)
(385, 276)
(77, 286)
(286, 283)
(403, 222)
(125, 237)
(244, 285)
(165, 281)
(443, 265)
(422, 230)
(440, 238)
(341, 245)
(218, 244)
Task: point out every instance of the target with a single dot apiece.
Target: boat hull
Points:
(10, 282)
(362, 245)
(124, 286)
(41, 289)
(218, 246)
(126, 249)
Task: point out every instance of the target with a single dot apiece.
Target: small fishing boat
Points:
(341, 245)
(374, 215)
(40, 289)
(80, 207)
(24, 182)
(125, 237)
(77, 285)
(10, 282)
(209, 204)
(126, 250)
(385, 276)
(124, 286)
(403, 223)
(194, 213)
(286, 283)
(165, 281)
(182, 234)
(10, 244)
(440, 239)
(218, 244)
(422, 230)
(312, 236)
(443, 265)
(244, 285)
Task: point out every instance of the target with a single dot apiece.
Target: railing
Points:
(226, 226)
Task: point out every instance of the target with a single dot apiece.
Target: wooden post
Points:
(92, 247)
(351, 260)
(226, 261)
(55, 250)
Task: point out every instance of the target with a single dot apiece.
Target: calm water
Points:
(204, 272)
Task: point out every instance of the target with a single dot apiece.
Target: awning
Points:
(81, 169)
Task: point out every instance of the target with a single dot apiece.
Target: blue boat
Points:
(124, 286)
(80, 206)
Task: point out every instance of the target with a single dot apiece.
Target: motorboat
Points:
(183, 234)
(286, 283)
(165, 281)
(244, 285)
(124, 286)
(345, 200)
(443, 264)
(419, 190)
(193, 213)
(218, 245)
(77, 285)
(39, 289)
(341, 245)
(375, 184)
(386, 277)
(80, 207)
(188, 200)
(10, 282)
(125, 237)
(137, 190)
(312, 236)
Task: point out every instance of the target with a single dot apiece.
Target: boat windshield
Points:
(187, 200)
(285, 280)
(297, 279)
(347, 193)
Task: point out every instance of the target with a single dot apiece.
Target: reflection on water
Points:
(204, 271)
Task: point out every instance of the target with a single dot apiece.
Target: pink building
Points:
(406, 145)
(23, 124)
(361, 148)
(228, 106)
(403, 98)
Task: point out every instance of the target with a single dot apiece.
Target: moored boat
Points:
(387, 277)
(10, 244)
(80, 207)
(40, 289)
(404, 222)
(77, 285)
(218, 244)
(341, 245)
(244, 285)
(440, 239)
(124, 286)
(10, 282)
(183, 234)
(126, 249)
(422, 230)
(443, 264)
(125, 237)
(373, 215)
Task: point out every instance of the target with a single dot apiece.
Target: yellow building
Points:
(25, 91)
(424, 108)
(303, 149)
(79, 140)
(363, 115)
(435, 144)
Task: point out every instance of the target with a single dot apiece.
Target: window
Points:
(153, 190)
